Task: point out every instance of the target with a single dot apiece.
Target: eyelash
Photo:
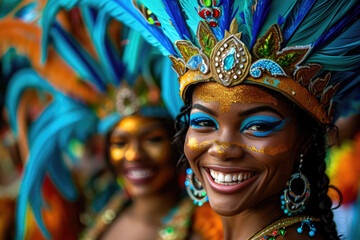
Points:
(265, 127)
(200, 120)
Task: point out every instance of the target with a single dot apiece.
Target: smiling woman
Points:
(259, 98)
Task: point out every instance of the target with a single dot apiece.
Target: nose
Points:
(226, 146)
(133, 153)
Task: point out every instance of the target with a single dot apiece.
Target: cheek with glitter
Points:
(194, 145)
(221, 147)
(116, 154)
(226, 96)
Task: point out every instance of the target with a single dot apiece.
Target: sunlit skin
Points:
(261, 139)
(142, 142)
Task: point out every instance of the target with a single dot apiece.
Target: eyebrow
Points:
(259, 109)
(204, 109)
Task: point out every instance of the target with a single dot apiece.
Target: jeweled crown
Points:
(229, 63)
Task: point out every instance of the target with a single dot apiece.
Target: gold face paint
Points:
(221, 147)
(116, 153)
(225, 96)
(131, 124)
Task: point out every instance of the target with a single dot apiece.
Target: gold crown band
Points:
(229, 63)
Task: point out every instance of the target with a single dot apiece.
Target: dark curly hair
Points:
(313, 166)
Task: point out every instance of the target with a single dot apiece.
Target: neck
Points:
(153, 207)
(250, 221)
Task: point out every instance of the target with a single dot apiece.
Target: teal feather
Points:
(7, 6)
(191, 15)
(168, 22)
(131, 56)
(278, 8)
(120, 10)
(20, 81)
(100, 39)
(320, 18)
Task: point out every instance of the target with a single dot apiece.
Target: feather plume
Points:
(176, 18)
(170, 88)
(192, 16)
(109, 56)
(21, 81)
(295, 17)
(120, 10)
(77, 57)
(226, 16)
(321, 17)
(340, 54)
(336, 29)
(260, 13)
(46, 142)
(25, 38)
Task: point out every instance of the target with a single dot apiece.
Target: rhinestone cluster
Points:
(230, 61)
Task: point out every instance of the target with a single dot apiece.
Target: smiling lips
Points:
(139, 174)
(229, 180)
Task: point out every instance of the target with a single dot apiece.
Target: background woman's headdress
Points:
(93, 69)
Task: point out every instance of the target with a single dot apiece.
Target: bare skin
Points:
(260, 143)
(143, 218)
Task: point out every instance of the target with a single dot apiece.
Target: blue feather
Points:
(226, 16)
(320, 18)
(23, 79)
(336, 29)
(48, 141)
(118, 9)
(77, 57)
(170, 89)
(176, 18)
(295, 17)
(191, 15)
(259, 16)
(109, 56)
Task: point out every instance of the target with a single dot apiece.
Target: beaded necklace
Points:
(278, 228)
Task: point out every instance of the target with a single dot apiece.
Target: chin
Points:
(225, 206)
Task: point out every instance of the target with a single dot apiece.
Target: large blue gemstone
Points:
(229, 60)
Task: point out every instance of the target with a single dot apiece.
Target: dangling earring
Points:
(194, 188)
(293, 201)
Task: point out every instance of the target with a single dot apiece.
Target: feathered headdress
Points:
(84, 76)
(306, 50)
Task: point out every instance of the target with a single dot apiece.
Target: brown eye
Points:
(156, 139)
(118, 142)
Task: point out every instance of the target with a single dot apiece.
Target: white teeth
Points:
(140, 173)
(220, 177)
(230, 178)
(241, 176)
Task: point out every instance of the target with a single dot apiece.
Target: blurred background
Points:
(57, 106)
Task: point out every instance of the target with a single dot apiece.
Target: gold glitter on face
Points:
(221, 147)
(130, 124)
(214, 92)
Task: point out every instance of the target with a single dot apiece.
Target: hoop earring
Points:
(194, 188)
(293, 201)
